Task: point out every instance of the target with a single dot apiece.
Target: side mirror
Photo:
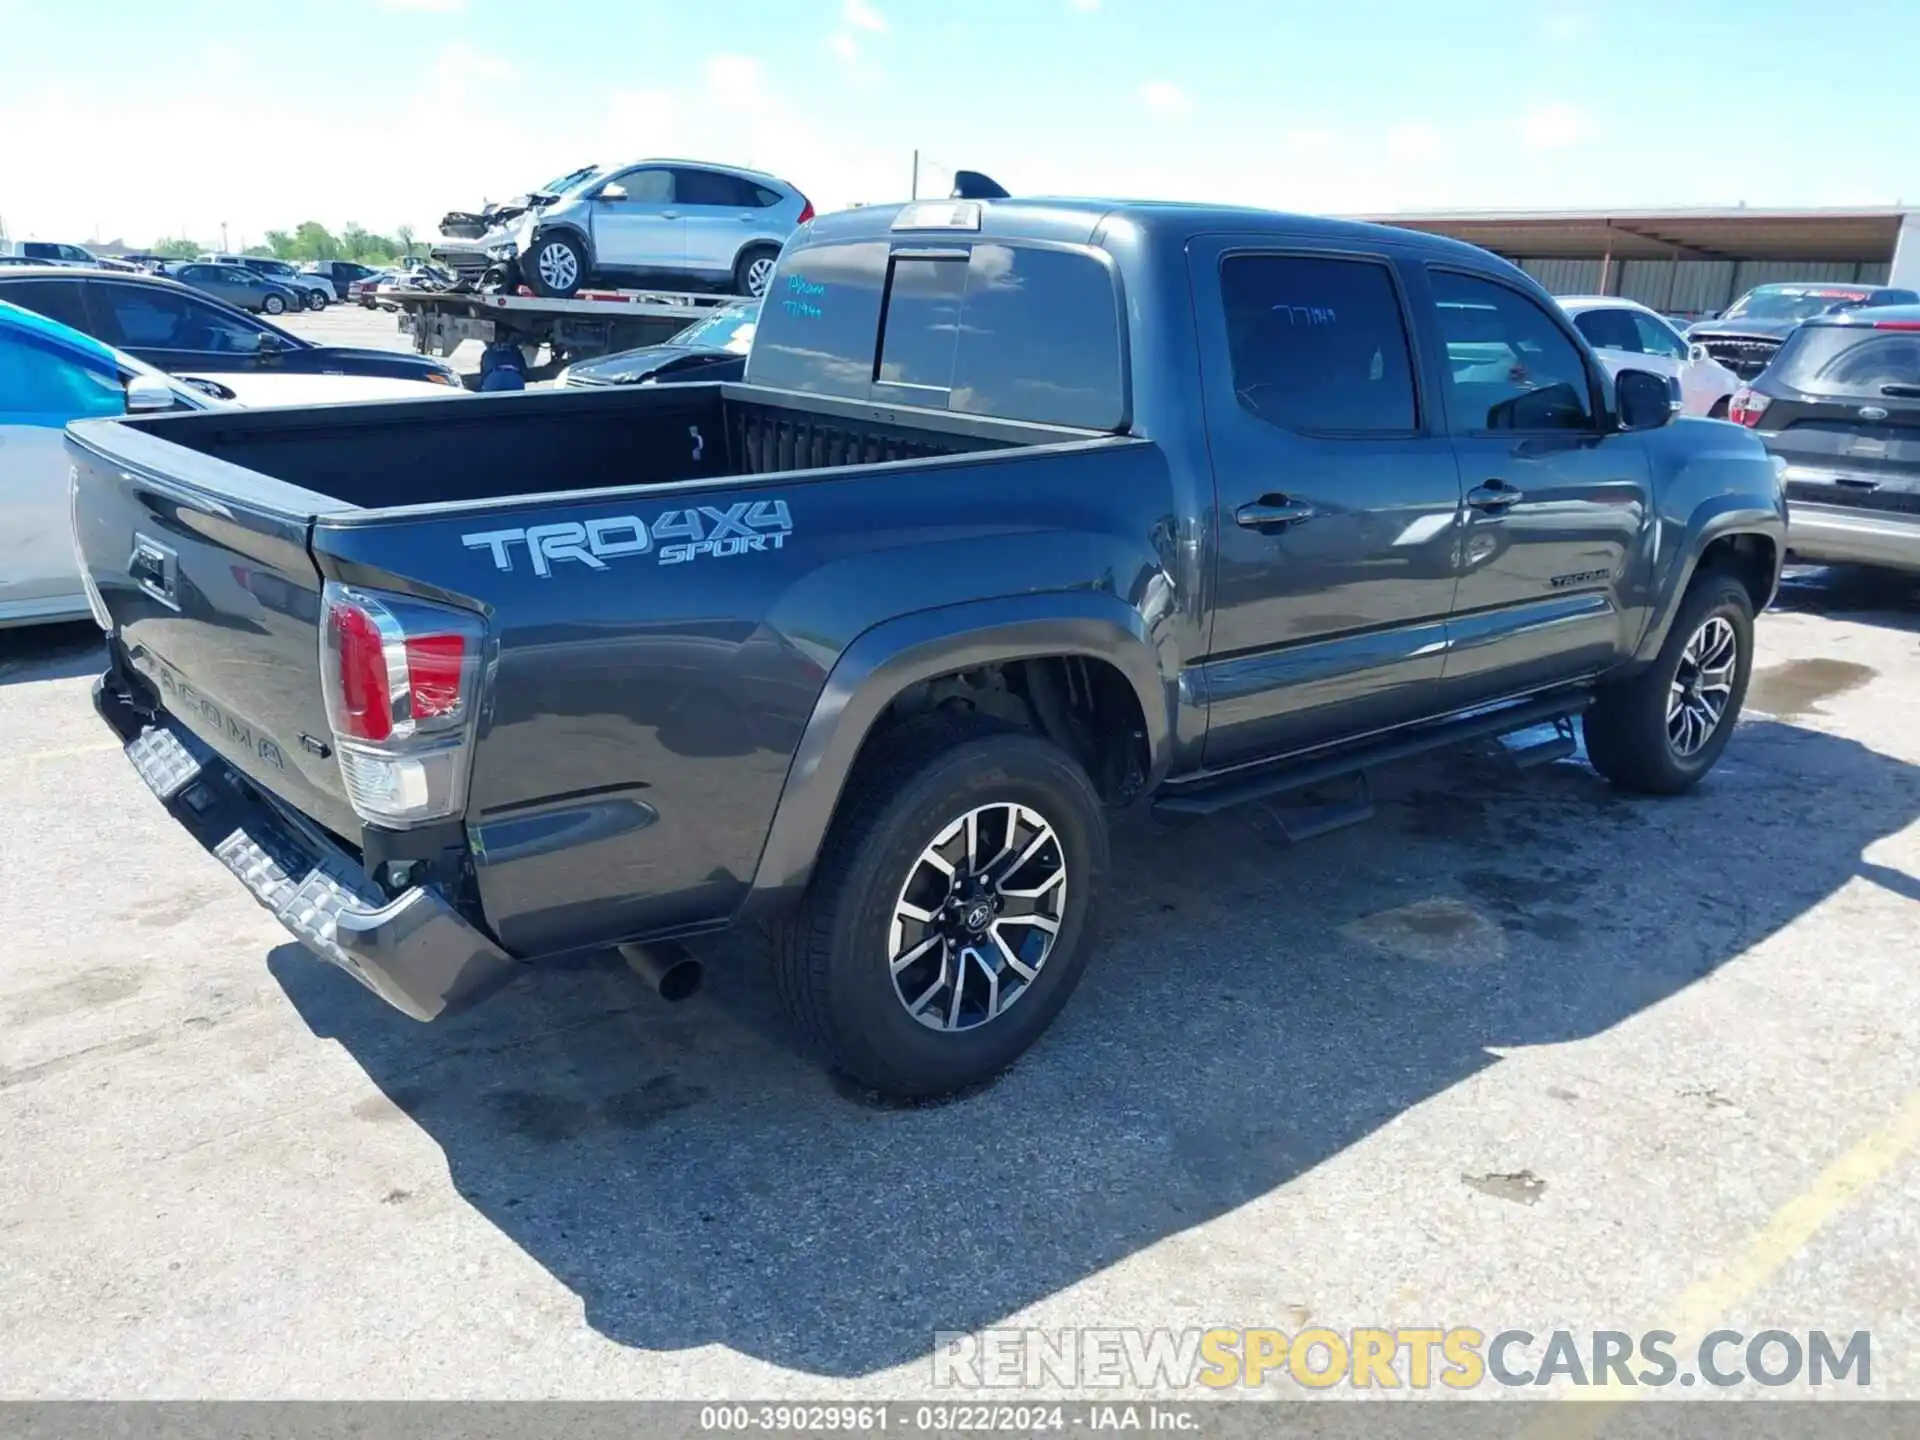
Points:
(147, 394)
(1646, 400)
(612, 193)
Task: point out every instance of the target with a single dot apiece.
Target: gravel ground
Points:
(1520, 1053)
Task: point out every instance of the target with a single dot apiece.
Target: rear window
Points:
(1849, 360)
(1013, 331)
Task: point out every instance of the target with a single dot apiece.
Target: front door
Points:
(642, 229)
(1337, 495)
(174, 330)
(1556, 494)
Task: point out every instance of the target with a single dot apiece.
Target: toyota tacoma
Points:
(1025, 512)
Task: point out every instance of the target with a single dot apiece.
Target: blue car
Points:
(49, 375)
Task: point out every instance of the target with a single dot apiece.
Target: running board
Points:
(1207, 797)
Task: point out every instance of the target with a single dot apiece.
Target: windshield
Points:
(729, 330)
(1853, 360)
(568, 181)
(1794, 302)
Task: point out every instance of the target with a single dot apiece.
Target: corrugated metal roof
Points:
(1860, 236)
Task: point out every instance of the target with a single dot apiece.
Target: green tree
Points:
(313, 241)
(177, 249)
(281, 244)
(405, 236)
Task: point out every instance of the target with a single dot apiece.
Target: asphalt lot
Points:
(1521, 1053)
(375, 329)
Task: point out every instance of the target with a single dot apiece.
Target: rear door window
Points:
(1609, 330)
(137, 317)
(56, 299)
(708, 187)
(1319, 343)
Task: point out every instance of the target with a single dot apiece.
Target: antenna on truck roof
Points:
(972, 185)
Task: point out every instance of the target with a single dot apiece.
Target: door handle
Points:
(1272, 513)
(1495, 497)
(669, 214)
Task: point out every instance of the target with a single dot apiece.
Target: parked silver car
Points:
(657, 222)
(315, 291)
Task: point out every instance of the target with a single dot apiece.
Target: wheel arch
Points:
(1748, 543)
(571, 228)
(889, 660)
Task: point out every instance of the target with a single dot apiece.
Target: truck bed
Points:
(493, 447)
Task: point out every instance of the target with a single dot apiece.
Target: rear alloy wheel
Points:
(274, 305)
(754, 272)
(948, 919)
(316, 301)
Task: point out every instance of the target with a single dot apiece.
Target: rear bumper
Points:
(413, 950)
(1860, 537)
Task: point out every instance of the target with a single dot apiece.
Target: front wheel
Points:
(556, 266)
(947, 923)
(1662, 730)
(274, 305)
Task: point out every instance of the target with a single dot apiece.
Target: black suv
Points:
(1746, 336)
(1839, 407)
(175, 328)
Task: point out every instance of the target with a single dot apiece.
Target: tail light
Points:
(401, 679)
(1747, 406)
(806, 211)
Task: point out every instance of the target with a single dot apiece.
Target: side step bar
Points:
(1206, 797)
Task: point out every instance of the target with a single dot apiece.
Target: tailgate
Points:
(202, 568)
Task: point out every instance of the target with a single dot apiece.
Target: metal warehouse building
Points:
(1689, 261)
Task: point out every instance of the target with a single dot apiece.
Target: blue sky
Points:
(131, 119)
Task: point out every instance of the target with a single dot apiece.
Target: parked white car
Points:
(51, 374)
(1628, 336)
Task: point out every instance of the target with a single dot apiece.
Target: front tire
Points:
(556, 266)
(948, 920)
(1661, 731)
(274, 305)
(753, 271)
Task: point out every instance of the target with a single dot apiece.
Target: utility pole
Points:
(223, 237)
(916, 176)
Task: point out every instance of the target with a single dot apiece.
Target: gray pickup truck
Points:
(1026, 511)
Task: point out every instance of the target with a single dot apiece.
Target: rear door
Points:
(1556, 494)
(1844, 414)
(644, 230)
(720, 214)
(1338, 498)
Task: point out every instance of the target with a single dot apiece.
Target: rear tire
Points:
(316, 301)
(555, 266)
(753, 271)
(838, 956)
(1638, 733)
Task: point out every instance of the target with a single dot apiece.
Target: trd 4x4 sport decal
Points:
(676, 536)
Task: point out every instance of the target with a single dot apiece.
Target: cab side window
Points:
(1510, 366)
(1319, 344)
(1657, 339)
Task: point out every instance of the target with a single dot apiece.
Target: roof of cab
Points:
(52, 335)
(1078, 221)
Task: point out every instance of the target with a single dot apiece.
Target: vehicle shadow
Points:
(1252, 1011)
(1884, 598)
(50, 652)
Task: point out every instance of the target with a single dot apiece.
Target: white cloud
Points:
(1163, 97)
(1556, 126)
(431, 7)
(862, 16)
(1415, 140)
(844, 45)
(1564, 25)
